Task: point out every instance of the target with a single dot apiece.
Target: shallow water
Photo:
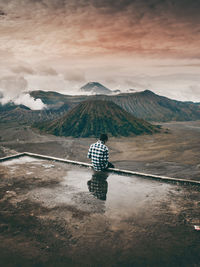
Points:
(123, 220)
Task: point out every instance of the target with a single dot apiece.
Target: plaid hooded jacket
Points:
(99, 155)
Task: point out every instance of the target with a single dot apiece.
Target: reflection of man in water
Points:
(99, 155)
(98, 185)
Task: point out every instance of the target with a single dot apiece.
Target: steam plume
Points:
(13, 89)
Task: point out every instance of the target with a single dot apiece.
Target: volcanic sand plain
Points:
(173, 153)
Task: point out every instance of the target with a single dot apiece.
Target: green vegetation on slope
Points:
(90, 118)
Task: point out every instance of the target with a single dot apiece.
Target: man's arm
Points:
(89, 155)
(106, 155)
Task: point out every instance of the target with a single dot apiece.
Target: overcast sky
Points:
(62, 44)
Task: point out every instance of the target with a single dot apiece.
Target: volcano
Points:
(95, 88)
(92, 117)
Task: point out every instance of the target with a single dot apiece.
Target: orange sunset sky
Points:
(62, 44)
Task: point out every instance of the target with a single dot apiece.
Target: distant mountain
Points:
(90, 118)
(55, 100)
(152, 107)
(22, 114)
(146, 105)
(10, 106)
(95, 88)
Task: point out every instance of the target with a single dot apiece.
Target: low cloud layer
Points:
(13, 89)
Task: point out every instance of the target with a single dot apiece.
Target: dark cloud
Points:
(178, 7)
(42, 70)
(22, 70)
(184, 9)
(90, 27)
(110, 6)
(75, 76)
(47, 71)
(2, 13)
(107, 39)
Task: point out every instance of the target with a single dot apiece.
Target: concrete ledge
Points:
(158, 177)
(57, 159)
(119, 171)
(12, 157)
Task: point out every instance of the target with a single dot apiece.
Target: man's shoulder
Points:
(92, 145)
(99, 145)
(104, 147)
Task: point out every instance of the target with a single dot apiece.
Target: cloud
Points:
(12, 86)
(13, 90)
(70, 41)
(195, 90)
(75, 75)
(88, 27)
(27, 100)
(22, 70)
(47, 71)
(180, 86)
(39, 70)
(2, 13)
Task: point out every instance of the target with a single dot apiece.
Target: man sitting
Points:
(99, 155)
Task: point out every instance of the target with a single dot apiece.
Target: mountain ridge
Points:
(145, 105)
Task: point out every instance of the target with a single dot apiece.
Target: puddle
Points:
(121, 196)
(104, 214)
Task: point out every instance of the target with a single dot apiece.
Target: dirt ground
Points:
(175, 154)
(55, 214)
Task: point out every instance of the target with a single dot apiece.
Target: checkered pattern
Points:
(98, 153)
(98, 188)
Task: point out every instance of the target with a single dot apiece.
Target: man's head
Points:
(103, 138)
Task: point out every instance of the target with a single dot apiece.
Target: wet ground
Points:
(56, 214)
